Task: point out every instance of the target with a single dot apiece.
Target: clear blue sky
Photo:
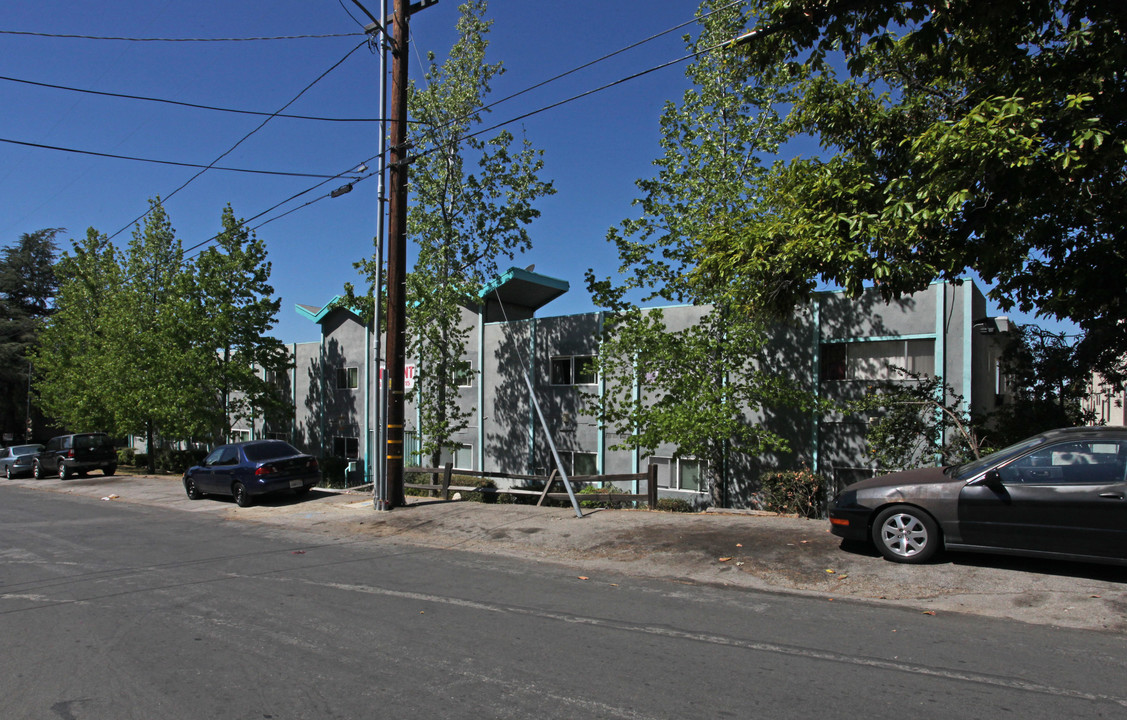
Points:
(595, 148)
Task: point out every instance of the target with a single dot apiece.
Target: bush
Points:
(593, 490)
(333, 471)
(674, 505)
(177, 461)
(472, 496)
(794, 492)
(126, 456)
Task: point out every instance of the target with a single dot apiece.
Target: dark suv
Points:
(69, 455)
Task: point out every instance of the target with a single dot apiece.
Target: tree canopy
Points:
(955, 136)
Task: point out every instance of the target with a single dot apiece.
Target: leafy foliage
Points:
(793, 492)
(695, 388)
(27, 289)
(473, 198)
(956, 135)
(144, 343)
(1047, 384)
(917, 420)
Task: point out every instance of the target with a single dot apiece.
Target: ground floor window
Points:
(239, 436)
(346, 447)
(680, 473)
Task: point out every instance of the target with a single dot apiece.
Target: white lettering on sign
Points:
(410, 372)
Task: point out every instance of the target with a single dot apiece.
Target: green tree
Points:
(699, 386)
(76, 361)
(157, 348)
(236, 309)
(956, 135)
(472, 200)
(1046, 384)
(914, 420)
(27, 288)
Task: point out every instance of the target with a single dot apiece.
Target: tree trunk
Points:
(152, 458)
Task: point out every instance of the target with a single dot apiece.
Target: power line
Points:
(245, 137)
(161, 162)
(174, 40)
(184, 104)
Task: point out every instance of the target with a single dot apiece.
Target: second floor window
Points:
(348, 378)
(573, 370)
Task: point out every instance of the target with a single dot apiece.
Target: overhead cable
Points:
(245, 137)
(175, 40)
(184, 104)
(161, 162)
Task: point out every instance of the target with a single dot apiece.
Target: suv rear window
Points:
(91, 441)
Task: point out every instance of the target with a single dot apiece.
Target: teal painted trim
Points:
(526, 276)
(368, 468)
(816, 418)
(878, 338)
(601, 456)
(940, 354)
(321, 408)
(968, 347)
(532, 401)
(293, 392)
(479, 461)
(323, 312)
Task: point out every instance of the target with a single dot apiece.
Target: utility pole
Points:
(397, 249)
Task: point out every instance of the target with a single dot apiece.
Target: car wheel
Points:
(190, 488)
(242, 497)
(906, 534)
(110, 470)
(64, 473)
(8, 471)
(37, 470)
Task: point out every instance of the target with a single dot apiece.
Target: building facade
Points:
(836, 347)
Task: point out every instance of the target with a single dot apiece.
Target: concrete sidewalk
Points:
(738, 550)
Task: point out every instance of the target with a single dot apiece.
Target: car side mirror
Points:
(992, 479)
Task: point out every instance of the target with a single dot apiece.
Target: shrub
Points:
(674, 505)
(798, 492)
(126, 456)
(333, 471)
(177, 461)
(593, 490)
(472, 496)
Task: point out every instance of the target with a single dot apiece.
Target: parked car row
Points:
(65, 456)
(244, 470)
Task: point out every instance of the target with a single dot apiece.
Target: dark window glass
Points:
(257, 452)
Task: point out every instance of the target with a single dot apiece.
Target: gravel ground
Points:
(781, 554)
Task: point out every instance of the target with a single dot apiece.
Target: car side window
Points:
(1099, 462)
(230, 456)
(212, 457)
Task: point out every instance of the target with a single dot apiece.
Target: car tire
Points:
(64, 473)
(37, 470)
(242, 497)
(190, 488)
(110, 470)
(8, 471)
(906, 534)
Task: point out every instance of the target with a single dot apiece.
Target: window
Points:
(1075, 462)
(873, 360)
(463, 457)
(277, 436)
(346, 447)
(574, 370)
(348, 378)
(579, 464)
(463, 375)
(239, 436)
(680, 473)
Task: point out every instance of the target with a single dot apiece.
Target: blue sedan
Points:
(248, 470)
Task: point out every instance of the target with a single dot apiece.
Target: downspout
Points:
(601, 456)
(940, 360)
(293, 392)
(815, 420)
(368, 475)
(968, 358)
(321, 408)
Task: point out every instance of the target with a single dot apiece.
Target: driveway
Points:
(769, 553)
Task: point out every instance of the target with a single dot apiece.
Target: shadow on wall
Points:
(507, 440)
(332, 401)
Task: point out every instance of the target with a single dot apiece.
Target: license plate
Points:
(296, 483)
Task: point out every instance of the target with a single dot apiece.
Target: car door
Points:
(1066, 497)
(222, 471)
(209, 478)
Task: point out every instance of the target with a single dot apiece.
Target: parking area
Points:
(769, 553)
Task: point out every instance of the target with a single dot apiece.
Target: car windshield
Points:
(966, 471)
(257, 452)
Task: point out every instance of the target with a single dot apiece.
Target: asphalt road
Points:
(124, 610)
